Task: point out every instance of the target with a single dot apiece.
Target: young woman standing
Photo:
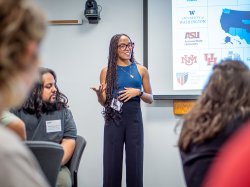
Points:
(123, 83)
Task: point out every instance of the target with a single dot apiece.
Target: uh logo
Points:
(210, 58)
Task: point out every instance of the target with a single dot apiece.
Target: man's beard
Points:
(49, 107)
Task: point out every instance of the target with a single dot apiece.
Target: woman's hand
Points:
(128, 93)
(100, 92)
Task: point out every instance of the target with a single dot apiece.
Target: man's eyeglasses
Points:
(125, 46)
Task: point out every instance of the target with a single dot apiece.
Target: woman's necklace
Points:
(129, 73)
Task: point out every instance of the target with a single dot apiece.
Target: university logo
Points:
(192, 35)
(191, 12)
(189, 60)
(182, 78)
(210, 59)
(233, 56)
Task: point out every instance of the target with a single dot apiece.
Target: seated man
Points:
(47, 118)
(13, 123)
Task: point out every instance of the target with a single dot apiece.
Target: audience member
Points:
(22, 26)
(222, 108)
(231, 167)
(47, 118)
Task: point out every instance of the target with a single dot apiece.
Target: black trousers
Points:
(129, 131)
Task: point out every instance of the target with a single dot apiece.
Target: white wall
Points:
(77, 53)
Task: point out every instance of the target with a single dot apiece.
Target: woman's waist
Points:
(133, 103)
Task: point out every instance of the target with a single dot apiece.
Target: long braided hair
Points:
(111, 77)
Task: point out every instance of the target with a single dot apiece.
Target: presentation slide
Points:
(185, 38)
(204, 33)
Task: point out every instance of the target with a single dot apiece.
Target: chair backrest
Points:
(49, 156)
(74, 162)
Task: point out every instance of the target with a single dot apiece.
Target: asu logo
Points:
(192, 35)
(182, 78)
(189, 60)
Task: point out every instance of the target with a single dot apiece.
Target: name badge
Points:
(116, 104)
(53, 126)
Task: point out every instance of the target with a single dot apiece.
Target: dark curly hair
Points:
(34, 103)
(226, 97)
(111, 77)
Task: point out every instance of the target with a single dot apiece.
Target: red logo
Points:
(182, 78)
(192, 35)
(209, 57)
(189, 60)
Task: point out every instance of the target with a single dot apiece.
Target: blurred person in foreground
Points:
(22, 27)
(222, 108)
(231, 167)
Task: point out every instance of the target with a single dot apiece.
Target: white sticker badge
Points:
(53, 126)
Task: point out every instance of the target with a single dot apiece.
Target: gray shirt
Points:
(18, 166)
(52, 126)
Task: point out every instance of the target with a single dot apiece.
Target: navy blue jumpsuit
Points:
(126, 131)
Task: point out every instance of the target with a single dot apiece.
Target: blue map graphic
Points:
(236, 23)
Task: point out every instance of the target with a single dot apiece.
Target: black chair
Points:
(49, 156)
(73, 163)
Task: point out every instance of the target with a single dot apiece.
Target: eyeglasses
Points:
(125, 46)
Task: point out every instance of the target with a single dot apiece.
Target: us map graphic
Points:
(204, 33)
(236, 23)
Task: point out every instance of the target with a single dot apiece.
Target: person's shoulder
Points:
(104, 69)
(103, 73)
(139, 65)
(66, 111)
(141, 68)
